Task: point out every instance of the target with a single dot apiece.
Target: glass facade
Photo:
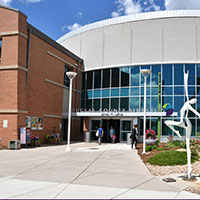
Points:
(122, 89)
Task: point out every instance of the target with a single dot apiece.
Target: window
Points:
(97, 79)
(66, 79)
(106, 78)
(167, 75)
(115, 77)
(124, 76)
(89, 79)
(0, 48)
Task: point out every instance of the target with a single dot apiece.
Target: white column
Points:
(144, 120)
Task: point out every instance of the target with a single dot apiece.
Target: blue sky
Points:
(57, 17)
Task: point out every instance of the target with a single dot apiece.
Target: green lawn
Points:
(170, 158)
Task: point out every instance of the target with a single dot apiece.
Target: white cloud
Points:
(5, 2)
(80, 14)
(127, 7)
(115, 14)
(182, 4)
(152, 6)
(70, 27)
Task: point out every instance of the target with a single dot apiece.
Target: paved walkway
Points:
(110, 171)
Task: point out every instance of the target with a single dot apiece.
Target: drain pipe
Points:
(28, 59)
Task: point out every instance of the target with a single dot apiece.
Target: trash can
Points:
(15, 144)
(87, 137)
(129, 140)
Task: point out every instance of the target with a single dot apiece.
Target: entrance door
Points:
(106, 124)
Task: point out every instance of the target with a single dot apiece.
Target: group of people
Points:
(134, 135)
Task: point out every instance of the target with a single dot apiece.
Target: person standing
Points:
(134, 136)
(101, 132)
(112, 134)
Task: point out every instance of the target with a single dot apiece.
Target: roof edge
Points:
(52, 42)
(129, 18)
(13, 9)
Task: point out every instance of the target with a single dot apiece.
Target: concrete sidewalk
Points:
(110, 171)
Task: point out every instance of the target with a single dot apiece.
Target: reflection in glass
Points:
(165, 129)
(154, 124)
(191, 77)
(97, 79)
(115, 77)
(89, 104)
(167, 99)
(154, 90)
(198, 74)
(179, 90)
(126, 126)
(134, 103)
(178, 74)
(178, 103)
(135, 76)
(106, 78)
(124, 103)
(96, 104)
(154, 104)
(191, 91)
(105, 93)
(89, 94)
(124, 76)
(167, 90)
(95, 124)
(147, 104)
(142, 77)
(155, 70)
(89, 79)
(124, 92)
(114, 92)
(134, 91)
(167, 74)
(105, 104)
(147, 91)
(97, 93)
(115, 103)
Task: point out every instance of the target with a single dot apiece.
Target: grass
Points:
(154, 147)
(170, 158)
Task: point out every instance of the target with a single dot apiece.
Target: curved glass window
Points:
(135, 76)
(154, 75)
(167, 75)
(114, 92)
(134, 91)
(124, 103)
(191, 77)
(134, 103)
(106, 78)
(115, 103)
(97, 79)
(115, 77)
(90, 80)
(97, 93)
(178, 73)
(124, 76)
(125, 92)
(105, 93)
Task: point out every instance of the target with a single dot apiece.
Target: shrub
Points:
(170, 158)
(154, 147)
(151, 134)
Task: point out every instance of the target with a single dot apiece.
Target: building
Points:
(115, 50)
(33, 84)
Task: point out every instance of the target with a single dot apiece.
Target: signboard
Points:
(28, 122)
(23, 135)
(5, 123)
(34, 123)
(40, 123)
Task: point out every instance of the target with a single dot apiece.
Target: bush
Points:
(154, 147)
(170, 158)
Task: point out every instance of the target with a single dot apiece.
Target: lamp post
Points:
(71, 76)
(145, 73)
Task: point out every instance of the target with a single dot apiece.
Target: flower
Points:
(151, 134)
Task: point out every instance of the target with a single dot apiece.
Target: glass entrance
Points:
(106, 125)
(125, 129)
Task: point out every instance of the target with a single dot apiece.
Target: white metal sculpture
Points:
(185, 122)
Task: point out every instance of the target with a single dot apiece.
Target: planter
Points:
(151, 141)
